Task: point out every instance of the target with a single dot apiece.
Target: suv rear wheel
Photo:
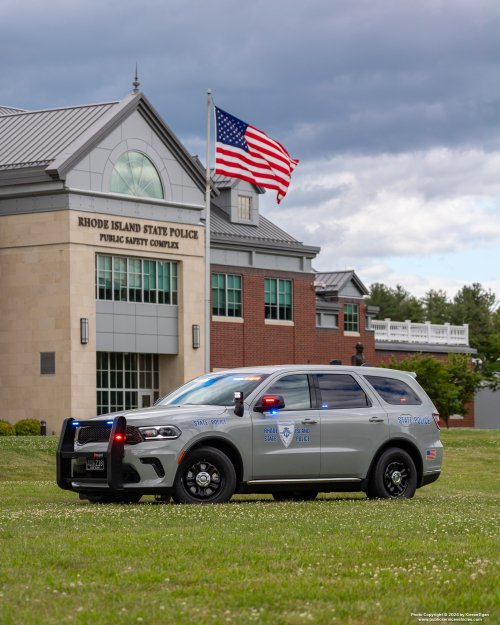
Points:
(297, 495)
(206, 475)
(394, 476)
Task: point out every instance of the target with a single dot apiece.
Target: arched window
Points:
(135, 174)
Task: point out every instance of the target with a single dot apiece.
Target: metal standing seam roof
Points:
(222, 181)
(9, 110)
(266, 230)
(336, 280)
(38, 137)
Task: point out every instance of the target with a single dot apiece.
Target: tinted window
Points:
(295, 391)
(393, 391)
(341, 391)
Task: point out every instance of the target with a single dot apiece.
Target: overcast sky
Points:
(392, 108)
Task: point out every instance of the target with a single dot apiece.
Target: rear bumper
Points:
(429, 477)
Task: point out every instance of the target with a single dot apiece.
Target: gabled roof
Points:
(38, 137)
(9, 110)
(57, 139)
(226, 182)
(266, 234)
(335, 281)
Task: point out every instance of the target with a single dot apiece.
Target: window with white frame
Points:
(226, 295)
(137, 280)
(351, 318)
(244, 207)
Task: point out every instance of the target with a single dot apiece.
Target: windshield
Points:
(214, 389)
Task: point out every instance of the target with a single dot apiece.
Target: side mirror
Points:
(268, 403)
(238, 404)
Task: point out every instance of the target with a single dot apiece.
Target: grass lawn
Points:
(339, 559)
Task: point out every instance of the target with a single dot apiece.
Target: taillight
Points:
(118, 437)
(435, 416)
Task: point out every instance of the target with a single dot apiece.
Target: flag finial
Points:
(136, 83)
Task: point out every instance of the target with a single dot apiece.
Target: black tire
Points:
(209, 465)
(394, 476)
(296, 495)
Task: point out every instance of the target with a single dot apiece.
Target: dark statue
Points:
(358, 359)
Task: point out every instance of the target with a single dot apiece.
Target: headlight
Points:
(160, 432)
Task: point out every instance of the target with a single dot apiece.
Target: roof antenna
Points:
(136, 83)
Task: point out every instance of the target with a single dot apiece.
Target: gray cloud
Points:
(326, 78)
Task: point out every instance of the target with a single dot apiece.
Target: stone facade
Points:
(47, 273)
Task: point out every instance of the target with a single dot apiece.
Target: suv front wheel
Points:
(394, 476)
(206, 475)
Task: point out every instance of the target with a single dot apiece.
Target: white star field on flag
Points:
(243, 152)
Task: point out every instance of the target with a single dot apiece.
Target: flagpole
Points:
(208, 280)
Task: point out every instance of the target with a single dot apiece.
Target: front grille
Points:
(157, 465)
(100, 434)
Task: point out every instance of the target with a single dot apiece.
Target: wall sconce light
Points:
(84, 330)
(196, 337)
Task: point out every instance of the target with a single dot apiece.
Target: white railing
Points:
(406, 331)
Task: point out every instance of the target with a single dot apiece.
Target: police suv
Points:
(291, 431)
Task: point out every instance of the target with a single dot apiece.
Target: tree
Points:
(395, 303)
(450, 383)
(475, 306)
(437, 307)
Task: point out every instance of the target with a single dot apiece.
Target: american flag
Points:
(242, 151)
(431, 454)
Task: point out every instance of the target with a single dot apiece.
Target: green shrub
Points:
(27, 427)
(6, 429)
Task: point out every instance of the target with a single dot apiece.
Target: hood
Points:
(159, 415)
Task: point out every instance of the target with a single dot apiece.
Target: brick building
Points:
(102, 270)
(269, 306)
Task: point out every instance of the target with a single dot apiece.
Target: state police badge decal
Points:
(286, 431)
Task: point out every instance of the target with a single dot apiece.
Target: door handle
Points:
(376, 419)
(309, 421)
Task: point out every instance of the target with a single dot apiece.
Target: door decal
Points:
(286, 431)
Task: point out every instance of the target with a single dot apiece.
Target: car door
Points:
(410, 413)
(287, 444)
(353, 425)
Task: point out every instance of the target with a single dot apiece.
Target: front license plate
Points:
(95, 464)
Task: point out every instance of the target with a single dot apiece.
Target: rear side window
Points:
(394, 391)
(295, 391)
(340, 391)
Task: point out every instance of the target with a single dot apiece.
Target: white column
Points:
(447, 326)
(428, 324)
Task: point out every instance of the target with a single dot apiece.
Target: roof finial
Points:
(136, 83)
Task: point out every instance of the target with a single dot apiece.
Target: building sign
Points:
(120, 227)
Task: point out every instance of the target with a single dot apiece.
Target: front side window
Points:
(244, 204)
(295, 391)
(393, 391)
(340, 391)
(135, 174)
(136, 280)
(226, 295)
(214, 389)
(278, 299)
(351, 318)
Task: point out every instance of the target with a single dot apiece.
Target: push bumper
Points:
(113, 455)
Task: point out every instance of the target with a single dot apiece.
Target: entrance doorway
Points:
(146, 399)
(126, 381)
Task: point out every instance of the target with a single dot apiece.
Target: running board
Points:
(307, 480)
